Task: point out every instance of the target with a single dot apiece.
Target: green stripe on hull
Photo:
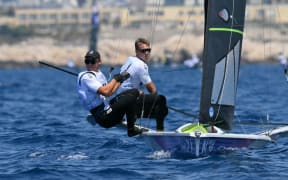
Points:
(226, 30)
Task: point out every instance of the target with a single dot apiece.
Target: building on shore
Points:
(167, 13)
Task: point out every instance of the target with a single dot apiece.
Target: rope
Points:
(143, 108)
(153, 105)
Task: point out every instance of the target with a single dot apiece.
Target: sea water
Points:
(44, 133)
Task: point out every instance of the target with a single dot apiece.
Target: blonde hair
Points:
(141, 41)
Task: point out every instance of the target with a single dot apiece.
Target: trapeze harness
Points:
(97, 111)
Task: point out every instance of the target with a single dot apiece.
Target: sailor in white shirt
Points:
(283, 61)
(94, 90)
(148, 105)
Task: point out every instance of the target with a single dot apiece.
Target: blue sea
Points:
(44, 133)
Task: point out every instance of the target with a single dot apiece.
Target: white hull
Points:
(198, 144)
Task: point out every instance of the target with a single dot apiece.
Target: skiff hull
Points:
(203, 144)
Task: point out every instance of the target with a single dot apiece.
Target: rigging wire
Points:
(283, 33)
(265, 46)
(155, 15)
(250, 122)
(174, 70)
(270, 52)
(282, 28)
(117, 48)
(181, 36)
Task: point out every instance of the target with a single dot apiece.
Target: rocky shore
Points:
(116, 45)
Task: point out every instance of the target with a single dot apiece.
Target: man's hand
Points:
(121, 77)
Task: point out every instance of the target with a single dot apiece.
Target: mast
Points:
(223, 35)
(94, 27)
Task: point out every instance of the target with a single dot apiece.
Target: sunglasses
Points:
(91, 61)
(145, 50)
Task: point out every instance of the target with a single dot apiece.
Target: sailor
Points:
(148, 105)
(283, 61)
(94, 91)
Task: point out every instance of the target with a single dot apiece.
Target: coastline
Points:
(115, 46)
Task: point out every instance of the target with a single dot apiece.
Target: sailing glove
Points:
(121, 77)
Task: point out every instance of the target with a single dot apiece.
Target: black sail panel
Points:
(224, 24)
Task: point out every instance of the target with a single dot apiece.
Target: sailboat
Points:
(223, 36)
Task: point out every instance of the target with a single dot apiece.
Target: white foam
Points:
(160, 155)
(76, 156)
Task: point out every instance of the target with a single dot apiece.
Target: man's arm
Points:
(151, 88)
(109, 89)
(114, 84)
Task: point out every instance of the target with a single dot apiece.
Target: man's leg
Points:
(153, 106)
(126, 103)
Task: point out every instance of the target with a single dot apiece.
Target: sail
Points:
(223, 35)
